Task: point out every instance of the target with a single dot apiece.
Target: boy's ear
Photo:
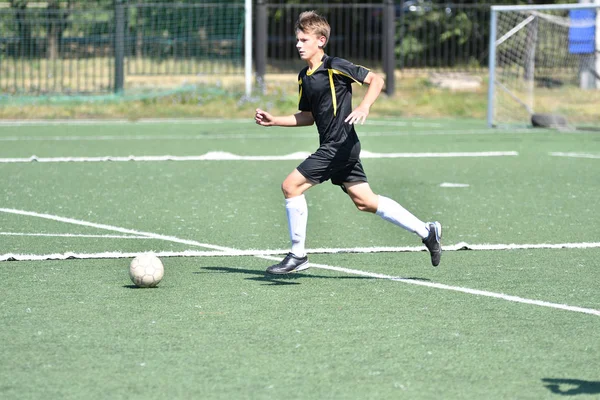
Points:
(322, 41)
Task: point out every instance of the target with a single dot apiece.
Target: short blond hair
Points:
(312, 23)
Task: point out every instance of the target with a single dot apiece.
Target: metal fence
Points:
(79, 51)
(357, 33)
(184, 39)
(426, 35)
(90, 51)
(37, 56)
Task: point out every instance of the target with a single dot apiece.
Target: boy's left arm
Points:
(361, 112)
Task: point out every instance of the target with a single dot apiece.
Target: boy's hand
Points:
(263, 118)
(361, 112)
(358, 115)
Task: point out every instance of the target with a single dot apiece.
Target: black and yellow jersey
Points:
(326, 92)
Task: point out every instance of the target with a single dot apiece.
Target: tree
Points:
(23, 26)
(56, 18)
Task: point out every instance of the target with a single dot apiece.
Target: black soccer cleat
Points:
(288, 265)
(433, 242)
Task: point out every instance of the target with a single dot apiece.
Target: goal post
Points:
(248, 75)
(544, 66)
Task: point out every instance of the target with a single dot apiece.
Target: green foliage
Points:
(460, 30)
(410, 48)
(437, 35)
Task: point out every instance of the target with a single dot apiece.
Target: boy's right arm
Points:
(301, 118)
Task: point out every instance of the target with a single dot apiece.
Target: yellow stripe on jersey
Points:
(335, 71)
(309, 72)
(332, 87)
(300, 93)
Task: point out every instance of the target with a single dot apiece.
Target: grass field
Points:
(512, 312)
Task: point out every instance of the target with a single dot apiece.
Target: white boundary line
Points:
(575, 155)
(215, 136)
(112, 228)
(225, 156)
(143, 121)
(267, 252)
(476, 292)
(72, 235)
(321, 266)
(209, 136)
(196, 121)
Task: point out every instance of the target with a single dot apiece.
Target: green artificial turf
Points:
(217, 327)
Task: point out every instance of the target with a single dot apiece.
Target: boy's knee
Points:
(362, 207)
(365, 206)
(289, 190)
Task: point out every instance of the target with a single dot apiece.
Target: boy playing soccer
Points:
(326, 99)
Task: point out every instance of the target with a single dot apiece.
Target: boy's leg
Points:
(393, 212)
(388, 209)
(295, 184)
(297, 214)
(293, 188)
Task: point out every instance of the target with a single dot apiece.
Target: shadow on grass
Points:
(571, 387)
(137, 287)
(289, 279)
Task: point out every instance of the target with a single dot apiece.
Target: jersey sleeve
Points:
(344, 67)
(303, 103)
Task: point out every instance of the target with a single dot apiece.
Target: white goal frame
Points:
(494, 84)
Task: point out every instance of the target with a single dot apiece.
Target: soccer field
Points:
(512, 312)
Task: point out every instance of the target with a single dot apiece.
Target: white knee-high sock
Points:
(393, 212)
(297, 213)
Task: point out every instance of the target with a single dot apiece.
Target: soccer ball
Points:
(146, 270)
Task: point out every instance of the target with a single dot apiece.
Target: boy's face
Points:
(309, 44)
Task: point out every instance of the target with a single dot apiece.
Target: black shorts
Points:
(319, 168)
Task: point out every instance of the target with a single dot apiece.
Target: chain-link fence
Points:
(427, 36)
(95, 48)
(85, 51)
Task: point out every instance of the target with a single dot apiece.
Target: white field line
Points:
(575, 155)
(249, 121)
(455, 288)
(112, 228)
(368, 154)
(266, 252)
(259, 253)
(322, 266)
(149, 137)
(225, 156)
(454, 185)
(253, 136)
(73, 235)
(144, 121)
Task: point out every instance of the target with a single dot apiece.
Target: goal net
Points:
(545, 66)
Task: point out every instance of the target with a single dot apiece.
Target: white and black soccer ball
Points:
(146, 270)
